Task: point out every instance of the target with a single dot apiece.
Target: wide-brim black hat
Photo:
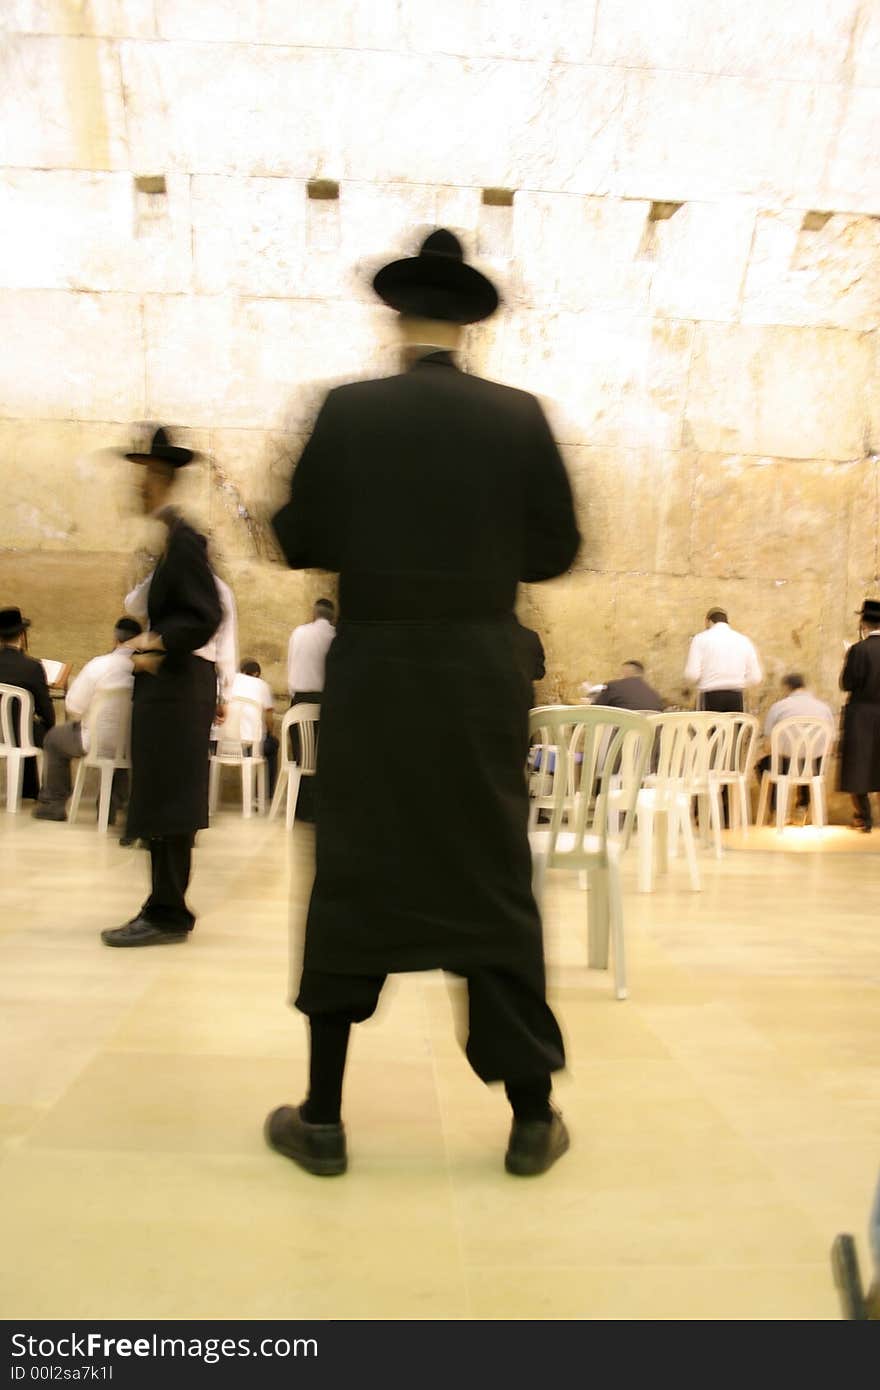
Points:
(870, 611)
(12, 623)
(436, 284)
(161, 449)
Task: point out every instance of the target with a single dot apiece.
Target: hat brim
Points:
(175, 458)
(436, 287)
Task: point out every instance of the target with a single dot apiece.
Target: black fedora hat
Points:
(870, 611)
(162, 449)
(436, 284)
(12, 623)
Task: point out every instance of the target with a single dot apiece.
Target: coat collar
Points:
(440, 357)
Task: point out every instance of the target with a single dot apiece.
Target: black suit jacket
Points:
(18, 669)
(630, 692)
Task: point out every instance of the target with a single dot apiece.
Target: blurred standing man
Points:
(174, 700)
(432, 493)
(860, 748)
(17, 668)
(306, 663)
(721, 664)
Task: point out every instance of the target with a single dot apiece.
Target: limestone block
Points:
(788, 392)
(694, 136)
(853, 178)
(634, 509)
(577, 253)
(332, 24)
(72, 600)
(866, 59)
(827, 277)
(574, 616)
(98, 18)
(803, 39)
(763, 518)
(250, 480)
(700, 256)
(223, 362)
(61, 104)
(556, 29)
(612, 379)
(71, 356)
(68, 229)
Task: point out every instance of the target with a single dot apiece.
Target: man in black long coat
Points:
(17, 668)
(174, 699)
(860, 747)
(432, 493)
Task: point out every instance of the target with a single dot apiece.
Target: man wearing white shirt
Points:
(112, 671)
(721, 664)
(249, 685)
(306, 660)
(223, 646)
(798, 702)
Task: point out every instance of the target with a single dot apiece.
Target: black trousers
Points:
(803, 793)
(721, 701)
(513, 1035)
(170, 863)
(305, 802)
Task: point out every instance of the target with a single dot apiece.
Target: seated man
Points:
(797, 701)
(629, 691)
(249, 685)
(112, 671)
(19, 669)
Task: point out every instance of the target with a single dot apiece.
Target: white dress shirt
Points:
(113, 671)
(307, 655)
(222, 648)
(722, 659)
(252, 726)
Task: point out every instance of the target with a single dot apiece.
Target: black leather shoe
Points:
(535, 1146)
(320, 1149)
(140, 932)
(44, 810)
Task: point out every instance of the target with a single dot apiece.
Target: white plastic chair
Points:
(742, 750)
(666, 796)
(591, 816)
(711, 737)
(16, 712)
(108, 721)
(290, 771)
(235, 749)
(804, 742)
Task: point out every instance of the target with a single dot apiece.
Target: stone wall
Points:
(690, 266)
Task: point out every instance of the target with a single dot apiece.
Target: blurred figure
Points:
(860, 745)
(111, 671)
(629, 691)
(721, 663)
(800, 702)
(432, 493)
(532, 652)
(175, 697)
(17, 668)
(249, 685)
(306, 662)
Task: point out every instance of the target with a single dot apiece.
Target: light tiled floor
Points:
(725, 1120)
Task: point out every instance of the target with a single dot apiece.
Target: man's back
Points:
(721, 658)
(630, 692)
(17, 668)
(109, 671)
(307, 655)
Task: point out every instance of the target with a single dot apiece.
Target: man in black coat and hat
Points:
(173, 704)
(432, 493)
(860, 746)
(17, 668)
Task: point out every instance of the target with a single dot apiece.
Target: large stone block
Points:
(852, 183)
(575, 253)
(255, 363)
(824, 277)
(98, 18)
(802, 39)
(72, 600)
(332, 24)
(787, 392)
(574, 617)
(699, 258)
(555, 29)
(866, 58)
(634, 509)
(610, 379)
(61, 104)
(772, 519)
(695, 136)
(250, 480)
(67, 355)
(68, 229)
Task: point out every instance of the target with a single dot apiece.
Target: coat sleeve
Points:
(194, 611)
(552, 538)
(855, 669)
(307, 525)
